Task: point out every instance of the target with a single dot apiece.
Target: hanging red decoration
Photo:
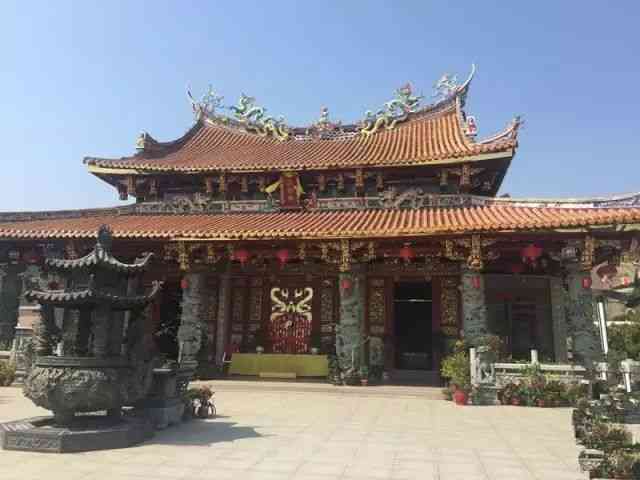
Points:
(345, 284)
(516, 268)
(531, 253)
(184, 284)
(476, 282)
(586, 282)
(31, 257)
(626, 281)
(283, 256)
(406, 253)
(241, 255)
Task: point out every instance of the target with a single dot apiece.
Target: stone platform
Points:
(39, 434)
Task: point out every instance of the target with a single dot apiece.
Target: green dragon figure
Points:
(254, 118)
(394, 111)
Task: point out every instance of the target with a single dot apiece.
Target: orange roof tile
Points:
(423, 138)
(324, 224)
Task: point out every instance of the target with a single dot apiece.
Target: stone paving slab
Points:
(268, 434)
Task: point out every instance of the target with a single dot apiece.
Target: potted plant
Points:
(508, 393)
(364, 375)
(456, 368)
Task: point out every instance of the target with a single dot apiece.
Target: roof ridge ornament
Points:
(324, 127)
(207, 105)
(394, 111)
(255, 119)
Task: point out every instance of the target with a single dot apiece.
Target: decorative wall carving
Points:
(449, 307)
(328, 318)
(377, 306)
(291, 319)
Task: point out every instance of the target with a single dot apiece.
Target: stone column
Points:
(224, 299)
(193, 318)
(558, 318)
(349, 331)
(100, 330)
(581, 318)
(474, 309)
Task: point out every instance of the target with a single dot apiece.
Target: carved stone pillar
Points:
(45, 332)
(558, 318)
(224, 301)
(474, 309)
(581, 317)
(349, 332)
(193, 318)
(100, 330)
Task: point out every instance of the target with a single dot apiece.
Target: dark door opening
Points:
(412, 325)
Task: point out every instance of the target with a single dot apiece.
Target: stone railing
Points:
(504, 373)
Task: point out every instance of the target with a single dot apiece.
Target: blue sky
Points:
(84, 78)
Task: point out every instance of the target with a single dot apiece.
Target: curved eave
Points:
(354, 224)
(504, 151)
(91, 296)
(105, 261)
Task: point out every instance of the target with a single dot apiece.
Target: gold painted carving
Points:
(449, 307)
(588, 253)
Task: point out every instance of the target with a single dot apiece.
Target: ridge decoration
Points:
(393, 111)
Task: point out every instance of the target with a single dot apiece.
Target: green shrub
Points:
(456, 368)
(7, 373)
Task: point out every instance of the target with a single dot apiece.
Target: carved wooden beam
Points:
(588, 253)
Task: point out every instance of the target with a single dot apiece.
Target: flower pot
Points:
(460, 397)
(515, 402)
(364, 382)
(315, 350)
(259, 350)
(541, 403)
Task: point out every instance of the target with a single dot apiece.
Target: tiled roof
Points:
(423, 138)
(378, 223)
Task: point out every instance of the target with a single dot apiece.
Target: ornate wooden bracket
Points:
(344, 252)
(186, 252)
(465, 172)
(475, 255)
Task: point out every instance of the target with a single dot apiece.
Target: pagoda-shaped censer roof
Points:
(101, 257)
(97, 262)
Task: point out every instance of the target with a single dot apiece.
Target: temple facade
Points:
(382, 241)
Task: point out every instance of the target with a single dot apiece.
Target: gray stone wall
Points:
(349, 331)
(580, 314)
(9, 301)
(558, 317)
(193, 319)
(474, 310)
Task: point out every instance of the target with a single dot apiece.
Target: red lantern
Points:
(31, 257)
(283, 256)
(184, 284)
(407, 253)
(531, 253)
(241, 255)
(345, 284)
(475, 281)
(516, 268)
(586, 282)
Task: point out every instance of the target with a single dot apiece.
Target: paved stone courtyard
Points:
(279, 431)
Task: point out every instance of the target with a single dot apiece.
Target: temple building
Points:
(383, 241)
